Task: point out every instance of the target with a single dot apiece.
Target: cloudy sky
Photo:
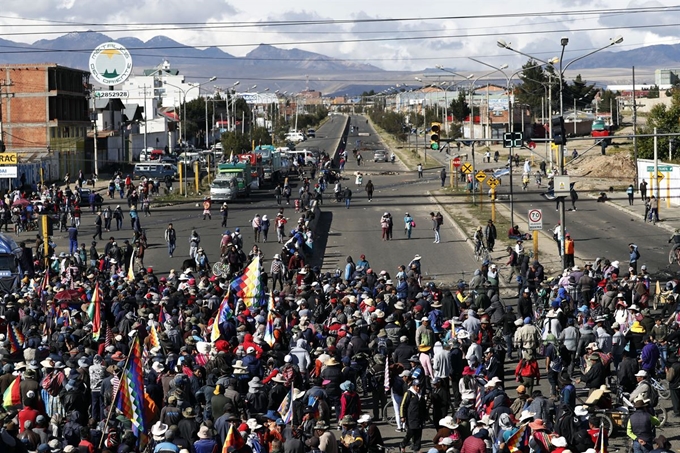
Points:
(391, 34)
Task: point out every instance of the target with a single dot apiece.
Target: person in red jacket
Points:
(248, 342)
(27, 414)
(528, 374)
(475, 443)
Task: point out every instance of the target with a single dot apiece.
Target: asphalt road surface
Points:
(598, 229)
(356, 231)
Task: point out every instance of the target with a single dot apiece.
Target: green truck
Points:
(232, 181)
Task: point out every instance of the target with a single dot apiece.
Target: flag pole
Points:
(115, 397)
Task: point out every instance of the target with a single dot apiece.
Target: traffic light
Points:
(435, 130)
(559, 133)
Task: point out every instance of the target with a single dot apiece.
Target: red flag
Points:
(12, 396)
(234, 439)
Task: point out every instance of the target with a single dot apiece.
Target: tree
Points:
(391, 122)
(459, 108)
(535, 86)
(235, 142)
(609, 103)
(194, 122)
(580, 91)
(666, 120)
(261, 136)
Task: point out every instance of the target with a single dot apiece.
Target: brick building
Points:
(44, 110)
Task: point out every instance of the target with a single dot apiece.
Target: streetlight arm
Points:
(589, 54)
(506, 46)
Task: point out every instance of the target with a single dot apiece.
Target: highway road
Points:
(598, 229)
(356, 230)
(186, 216)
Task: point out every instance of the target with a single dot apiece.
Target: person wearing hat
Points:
(644, 389)
(370, 432)
(476, 442)
(413, 413)
(327, 441)
(447, 428)
(640, 427)
(520, 402)
(206, 441)
(662, 445)
(188, 427)
(350, 436)
(596, 375)
(350, 402)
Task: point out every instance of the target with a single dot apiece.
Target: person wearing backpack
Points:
(553, 362)
(350, 403)
(376, 385)
(644, 389)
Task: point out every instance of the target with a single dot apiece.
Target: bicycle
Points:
(674, 254)
(220, 269)
(661, 386)
(481, 252)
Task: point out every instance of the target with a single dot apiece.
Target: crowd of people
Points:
(326, 360)
(438, 356)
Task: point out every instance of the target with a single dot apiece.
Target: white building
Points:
(160, 86)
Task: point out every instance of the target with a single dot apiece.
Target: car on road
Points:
(150, 154)
(155, 170)
(169, 160)
(295, 137)
(380, 155)
(189, 157)
(311, 133)
(501, 172)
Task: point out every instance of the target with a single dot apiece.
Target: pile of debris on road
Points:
(619, 166)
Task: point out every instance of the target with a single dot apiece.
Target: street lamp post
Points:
(184, 119)
(563, 42)
(511, 124)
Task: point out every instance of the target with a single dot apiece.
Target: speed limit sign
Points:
(535, 219)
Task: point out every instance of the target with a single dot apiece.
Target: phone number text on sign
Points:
(111, 94)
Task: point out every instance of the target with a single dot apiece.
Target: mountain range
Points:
(289, 70)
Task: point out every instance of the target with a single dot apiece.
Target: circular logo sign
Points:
(535, 215)
(110, 64)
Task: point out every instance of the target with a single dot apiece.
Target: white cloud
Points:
(473, 36)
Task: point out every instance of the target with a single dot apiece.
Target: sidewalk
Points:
(669, 218)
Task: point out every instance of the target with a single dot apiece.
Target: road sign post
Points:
(535, 219)
(492, 182)
(535, 241)
(455, 165)
(480, 176)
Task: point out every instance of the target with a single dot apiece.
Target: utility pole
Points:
(145, 116)
(635, 148)
(8, 95)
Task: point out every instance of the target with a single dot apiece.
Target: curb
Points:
(660, 224)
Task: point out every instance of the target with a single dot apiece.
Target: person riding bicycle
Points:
(479, 239)
(675, 239)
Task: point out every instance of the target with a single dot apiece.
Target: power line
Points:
(26, 49)
(298, 23)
